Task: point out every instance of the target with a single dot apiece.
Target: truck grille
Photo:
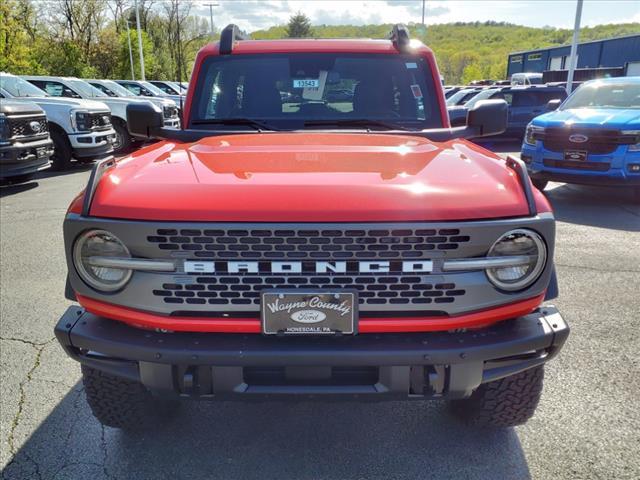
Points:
(312, 244)
(21, 127)
(372, 289)
(598, 143)
(593, 166)
(100, 121)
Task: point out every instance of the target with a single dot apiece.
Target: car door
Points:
(521, 110)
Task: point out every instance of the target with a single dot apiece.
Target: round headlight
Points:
(100, 243)
(521, 243)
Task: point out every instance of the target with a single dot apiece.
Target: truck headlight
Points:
(634, 147)
(80, 121)
(530, 132)
(100, 243)
(518, 242)
(5, 132)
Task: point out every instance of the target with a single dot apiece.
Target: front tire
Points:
(507, 402)
(121, 403)
(123, 139)
(61, 159)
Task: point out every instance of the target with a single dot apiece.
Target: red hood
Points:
(310, 177)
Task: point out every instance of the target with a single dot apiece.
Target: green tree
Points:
(299, 26)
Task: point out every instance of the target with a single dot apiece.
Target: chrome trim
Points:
(132, 264)
(484, 263)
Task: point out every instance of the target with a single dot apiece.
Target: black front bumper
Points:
(21, 158)
(370, 366)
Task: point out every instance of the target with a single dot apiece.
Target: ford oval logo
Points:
(577, 138)
(308, 316)
(35, 126)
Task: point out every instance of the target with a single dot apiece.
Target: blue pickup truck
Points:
(592, 138)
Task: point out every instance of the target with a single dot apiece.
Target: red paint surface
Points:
(307, 177)
(147, 320)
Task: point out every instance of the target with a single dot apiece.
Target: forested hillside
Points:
(469, 51)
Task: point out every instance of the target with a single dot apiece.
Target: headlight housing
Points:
(5, 131)
(530, 132)
(81, 120)
(100, 243)
(519, 242)
(634, 147)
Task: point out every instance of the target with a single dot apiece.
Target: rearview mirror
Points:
(553, 104)
(143, 119)
(488, 117)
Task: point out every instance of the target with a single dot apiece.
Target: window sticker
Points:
(316, 93)
(306, 83)
(411, 65)
(417, 92)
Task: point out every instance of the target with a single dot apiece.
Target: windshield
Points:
(458, 97)
(605, 95)
(295, 90)
(152, 88)
(19, 87)
(483, 95)
(85, 89)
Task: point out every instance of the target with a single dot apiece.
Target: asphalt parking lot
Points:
(587, 425)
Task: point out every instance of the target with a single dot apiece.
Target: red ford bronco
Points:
(316, 229)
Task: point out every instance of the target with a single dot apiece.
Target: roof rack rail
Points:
(400, 37)
(229, 36)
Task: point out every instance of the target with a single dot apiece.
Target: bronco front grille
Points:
(372, 289)
(311, 244)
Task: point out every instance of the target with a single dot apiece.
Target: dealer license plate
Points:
(296, 312)
(575, 155)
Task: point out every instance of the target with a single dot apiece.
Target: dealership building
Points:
(621, 53)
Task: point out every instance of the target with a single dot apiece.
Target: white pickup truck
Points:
(76, 88)
(113, 89)
(79, 128)
(142, 88)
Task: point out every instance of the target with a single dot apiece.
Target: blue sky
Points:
(256, 14)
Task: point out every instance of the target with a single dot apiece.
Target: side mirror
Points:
(553, 104)
(143, 119)
(488, 117)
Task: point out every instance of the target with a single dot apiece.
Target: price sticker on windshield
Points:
(306, 83)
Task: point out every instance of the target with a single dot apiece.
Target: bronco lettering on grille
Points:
(421, 266)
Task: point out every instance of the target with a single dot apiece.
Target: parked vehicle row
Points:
(85, 119)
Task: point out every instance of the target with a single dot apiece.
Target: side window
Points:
(103, 89)
(507, 97)
(164, 88)
(525, 99)
(145, 93)
(55, 89)
(132, 87)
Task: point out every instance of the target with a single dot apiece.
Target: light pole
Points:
(133, 74)
(423, 2)
(211, 5)
(573, 56)
(139, 41)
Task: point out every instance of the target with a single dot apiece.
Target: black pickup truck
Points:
(25, 146)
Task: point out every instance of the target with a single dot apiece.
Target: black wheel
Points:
(123, 140)
(507, 402)
(121, 403)
(61, 158)
(540, 184)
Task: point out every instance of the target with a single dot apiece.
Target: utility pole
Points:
(139, 41)
(573, 56)
(133, 74)
(423, 2)
(211, 5)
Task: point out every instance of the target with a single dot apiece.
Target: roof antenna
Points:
(180, 70)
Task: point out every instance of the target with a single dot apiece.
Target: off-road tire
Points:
(62, 152)
(506, 402)
(121, 403)
(540, 184)
(123, 138)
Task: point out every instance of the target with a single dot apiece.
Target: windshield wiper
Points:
(356, 122)
(249, 122)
